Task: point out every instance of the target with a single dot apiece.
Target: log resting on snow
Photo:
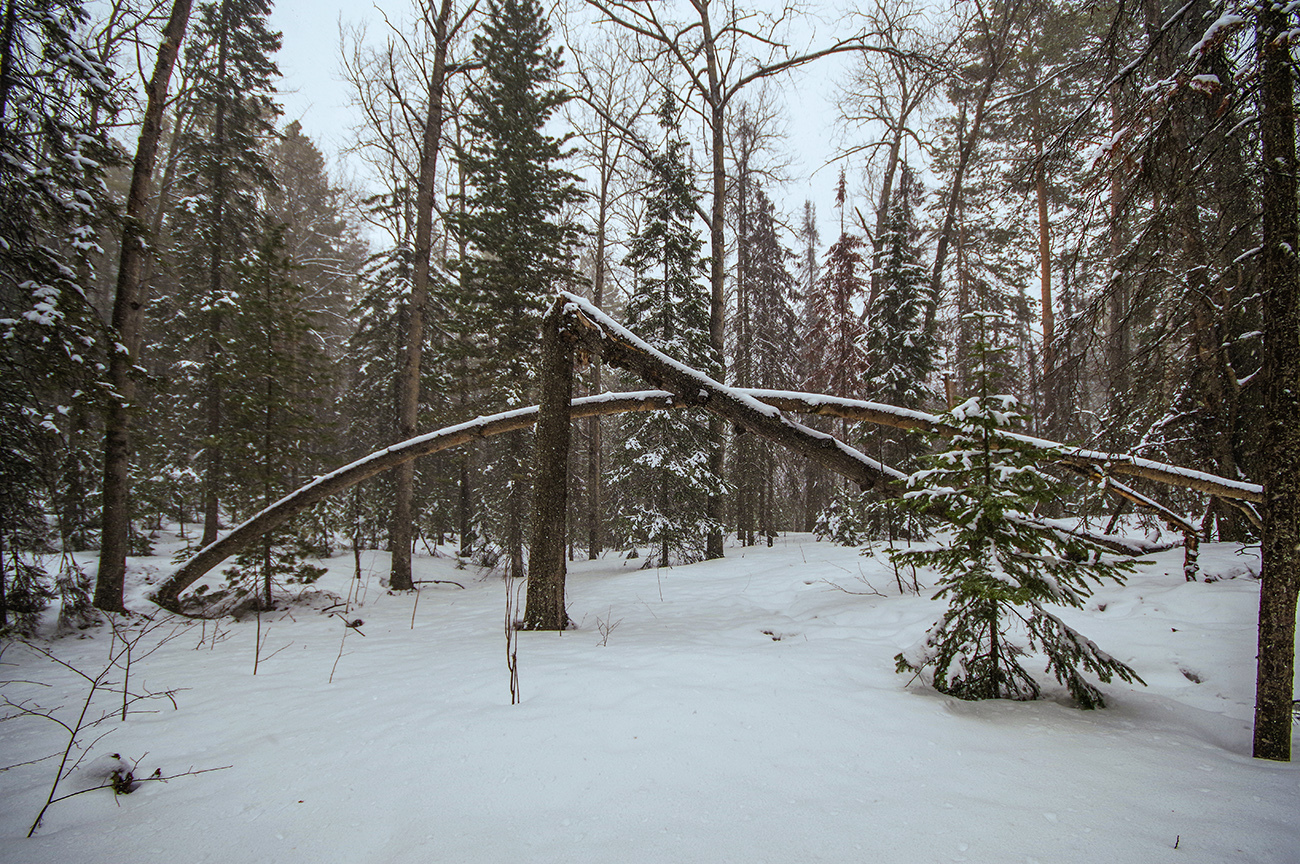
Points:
(594, 332)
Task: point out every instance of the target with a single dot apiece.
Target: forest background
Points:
(1084, 189)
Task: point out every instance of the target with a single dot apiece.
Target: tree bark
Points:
(1280, 286)
(717, 275)
(598, 297)
(546, 559)
(128, 317)
(400, 530)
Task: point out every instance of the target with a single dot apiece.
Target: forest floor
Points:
(740, 710)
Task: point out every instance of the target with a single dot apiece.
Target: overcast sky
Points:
(313, 93)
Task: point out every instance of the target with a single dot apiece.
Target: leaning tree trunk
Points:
(1280, 286)
(128, 317)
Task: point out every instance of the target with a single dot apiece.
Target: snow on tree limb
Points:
(167, 595)
(759, 411)
(597, 333)
(1106, 463)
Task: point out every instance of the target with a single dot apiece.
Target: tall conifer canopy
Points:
(521, 247)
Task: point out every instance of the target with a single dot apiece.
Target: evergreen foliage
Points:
(521, 241)
(665, 455)
(223, 177)
(1001, 568)
(55, 101)
(902, 354)
(835, 341)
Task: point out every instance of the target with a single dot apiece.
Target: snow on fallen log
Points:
(1107, 463)
(597, 333)
(167, 595)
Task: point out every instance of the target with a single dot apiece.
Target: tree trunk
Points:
(598, 297)
(1050, 402)
(546, 560)
(400, 531)
(717, 276)
(128, 316)
(1280, 286)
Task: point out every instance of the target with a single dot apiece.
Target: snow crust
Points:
(738, 710)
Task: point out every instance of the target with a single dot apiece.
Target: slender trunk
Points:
(965, 152)
(128, 316)
(7, 56)
(1280, 285)
(408, 377)
(1050, 419)
(212, 359)
(882, 216)
(598, 290)
(717, 277)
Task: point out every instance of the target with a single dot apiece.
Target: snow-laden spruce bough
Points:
(1001, 561)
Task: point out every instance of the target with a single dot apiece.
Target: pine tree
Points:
(666, 454)
(521, 244)
(273, 433)
(835, 339)
(772, 294)
(1001, 568)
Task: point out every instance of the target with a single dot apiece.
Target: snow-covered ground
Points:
(740, 710)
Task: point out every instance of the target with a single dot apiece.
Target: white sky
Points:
(313, 93)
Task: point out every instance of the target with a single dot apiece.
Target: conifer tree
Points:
(273, 433)
(53, 156)
(835, 341)
(771, 328)
(835, 348)
(666, 454)
(1001, 569)
(521, 243)
(224, 174)
(902, 354)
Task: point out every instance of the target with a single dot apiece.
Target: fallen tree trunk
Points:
(758, 411)
(1104, 463)
(167, 595)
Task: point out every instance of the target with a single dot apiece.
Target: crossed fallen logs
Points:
(573, 331)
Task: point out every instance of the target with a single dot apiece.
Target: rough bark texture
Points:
(546, 558)
(400, 530)
(1280, 286)
(128, 316)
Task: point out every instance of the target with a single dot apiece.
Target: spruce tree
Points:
(1001, 569)
(274, 433)
(521, 243)
(223, 177)
(901, 353)
(54, 104)
(665, 454)
(835, 339)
